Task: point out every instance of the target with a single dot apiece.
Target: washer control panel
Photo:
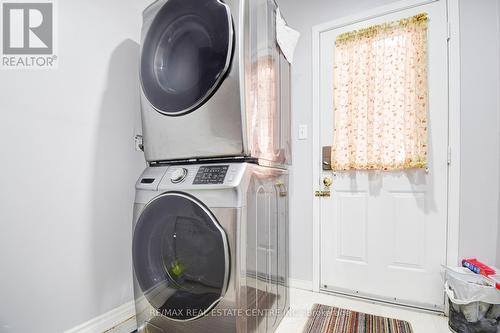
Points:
(195, 176)
(211, 174)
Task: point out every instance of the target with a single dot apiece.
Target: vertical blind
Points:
(380, 97)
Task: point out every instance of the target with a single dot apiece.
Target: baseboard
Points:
(301, 284)
(122, 318)
(118, 320)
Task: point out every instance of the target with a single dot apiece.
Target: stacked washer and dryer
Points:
(210, 241)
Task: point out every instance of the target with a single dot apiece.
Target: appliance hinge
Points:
(139, 146)
(448, 32)
(449, 155)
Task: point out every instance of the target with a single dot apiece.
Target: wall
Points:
(68, 164)
(68, 172)
(498, 238)
(302, 16)
(480, 124)
(480, 165)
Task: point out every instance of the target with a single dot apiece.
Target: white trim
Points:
(301, 284)
(316, 160)
(368, 14)
(454, 125)
(452, 246)
(118, 320)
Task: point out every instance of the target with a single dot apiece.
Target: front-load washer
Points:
(210, 248)
(214, 82)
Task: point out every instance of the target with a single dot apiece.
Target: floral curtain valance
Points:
(380, 97)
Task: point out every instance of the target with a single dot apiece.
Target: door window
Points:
(380, 94)
(185, 54)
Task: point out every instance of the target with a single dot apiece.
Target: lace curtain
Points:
(380, 97)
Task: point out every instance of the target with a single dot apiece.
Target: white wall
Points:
(498, 238)
(68, 169)
(303, 15)
(480, 146)
(68, 166)
(480, 125)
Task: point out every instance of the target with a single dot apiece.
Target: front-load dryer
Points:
(210, 248)
(214, 81)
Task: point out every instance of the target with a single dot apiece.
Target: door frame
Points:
(453, 200)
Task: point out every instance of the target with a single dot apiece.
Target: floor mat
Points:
(329, 319)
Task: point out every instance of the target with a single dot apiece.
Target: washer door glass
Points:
(181, 256)
(186, 53)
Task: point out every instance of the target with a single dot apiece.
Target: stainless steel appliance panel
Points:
(247, 110)
(257, 294)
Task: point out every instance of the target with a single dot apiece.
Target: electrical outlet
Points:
(302, 132)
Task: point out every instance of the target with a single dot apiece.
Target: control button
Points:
(211, 174)
(178, 175)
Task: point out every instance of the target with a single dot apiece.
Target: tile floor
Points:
(301, 301)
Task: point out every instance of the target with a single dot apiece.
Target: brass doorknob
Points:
(327, 181)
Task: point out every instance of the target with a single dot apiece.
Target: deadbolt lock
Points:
(322, 194)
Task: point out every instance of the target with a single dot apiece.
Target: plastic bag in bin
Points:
(474, 302)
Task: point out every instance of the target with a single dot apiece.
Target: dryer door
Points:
(181, 256)
(186, 53)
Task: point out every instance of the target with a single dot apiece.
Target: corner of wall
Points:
(480, 215)
(498, 226)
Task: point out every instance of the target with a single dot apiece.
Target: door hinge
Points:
(449, 155)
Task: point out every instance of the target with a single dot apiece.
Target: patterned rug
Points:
(328, 319)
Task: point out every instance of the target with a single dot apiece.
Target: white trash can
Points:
(474, 303)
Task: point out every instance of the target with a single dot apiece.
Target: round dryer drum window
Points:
(181, 256)
(186, 53)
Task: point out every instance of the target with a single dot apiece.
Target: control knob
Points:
(178, 175)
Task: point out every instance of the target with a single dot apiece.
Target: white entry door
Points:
(383, 234)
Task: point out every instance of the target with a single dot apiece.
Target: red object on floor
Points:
(496, 279)
(478, 267)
